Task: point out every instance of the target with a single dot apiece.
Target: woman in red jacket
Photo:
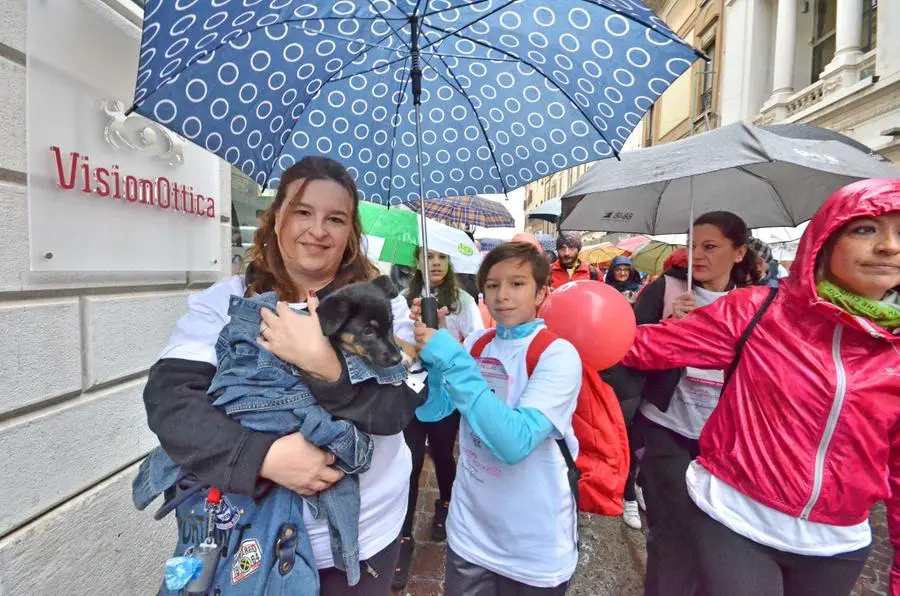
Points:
(806, 435)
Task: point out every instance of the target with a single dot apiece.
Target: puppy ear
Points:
(387, 286)
(333, 312)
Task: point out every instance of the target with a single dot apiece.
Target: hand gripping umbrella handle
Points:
(429, 312)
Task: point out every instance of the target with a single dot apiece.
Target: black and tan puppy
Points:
(360, 318)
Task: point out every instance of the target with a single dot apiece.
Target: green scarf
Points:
(884, 313)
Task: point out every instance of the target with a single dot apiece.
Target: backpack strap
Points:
(482, 342)
(538, 345)
(746, 335)
(541, 342)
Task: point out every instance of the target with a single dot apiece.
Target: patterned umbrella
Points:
(419, 100)
(471, 210)
(547, 241)
(488, 244)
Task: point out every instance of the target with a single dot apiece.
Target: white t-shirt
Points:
(695, 396)
(519, 520)
(764, 525)
(383, 489)
(468, 320)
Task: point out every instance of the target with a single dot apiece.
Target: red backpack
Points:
(598, 476)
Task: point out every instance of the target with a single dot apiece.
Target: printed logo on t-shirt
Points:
(475, 458)
(496, 376)
(702, 388)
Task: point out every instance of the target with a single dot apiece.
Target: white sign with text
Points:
(106, 191)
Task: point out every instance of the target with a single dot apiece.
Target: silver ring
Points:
(263, 329)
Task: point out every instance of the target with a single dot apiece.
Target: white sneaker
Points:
(631, 516)
(639, 494)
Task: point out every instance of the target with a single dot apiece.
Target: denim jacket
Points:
(266, 394)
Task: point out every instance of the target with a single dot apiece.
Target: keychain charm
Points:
(207, 552)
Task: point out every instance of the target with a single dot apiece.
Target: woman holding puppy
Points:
(307, 245)
(460, 317)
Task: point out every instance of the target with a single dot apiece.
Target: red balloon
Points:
(593, 317)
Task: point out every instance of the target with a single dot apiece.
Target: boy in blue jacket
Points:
(512, 527)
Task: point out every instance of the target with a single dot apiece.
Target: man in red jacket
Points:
(568, 266)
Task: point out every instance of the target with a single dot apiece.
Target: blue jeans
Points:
(266, 394)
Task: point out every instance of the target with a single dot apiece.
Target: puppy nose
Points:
(395, 359)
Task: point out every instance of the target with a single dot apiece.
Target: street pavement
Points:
(612, 557)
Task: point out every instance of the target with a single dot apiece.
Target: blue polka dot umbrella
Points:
(428, 98)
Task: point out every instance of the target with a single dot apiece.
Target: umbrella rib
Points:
(308, 103)
(474, 111)
(549, 79)
(403, 80)
(394, 31)
(461, 57)
(774, 191)
(658, 201)
(428, 45)
(467, 25)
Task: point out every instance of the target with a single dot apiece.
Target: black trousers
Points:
(441, 437)
(736, 566)
(672, 564)
(377, 574)
(467, 579)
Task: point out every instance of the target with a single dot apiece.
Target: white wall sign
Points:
(108, 192)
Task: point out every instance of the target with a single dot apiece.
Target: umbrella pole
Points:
(429, 302)
(690, 240)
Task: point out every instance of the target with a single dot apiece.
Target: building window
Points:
(869, 25)
(707, 77)
(824, 23)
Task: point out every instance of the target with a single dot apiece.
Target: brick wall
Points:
(76, 351)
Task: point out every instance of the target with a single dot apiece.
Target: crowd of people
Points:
(762, 412)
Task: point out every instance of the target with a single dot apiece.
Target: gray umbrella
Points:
(547, 211)
(815, 133)
(767, 179)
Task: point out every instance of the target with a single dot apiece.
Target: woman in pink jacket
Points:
(806, 435)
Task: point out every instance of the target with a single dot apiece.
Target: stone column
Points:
(847, 43)
(887, 54)
(848, 35)
(785, 41)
